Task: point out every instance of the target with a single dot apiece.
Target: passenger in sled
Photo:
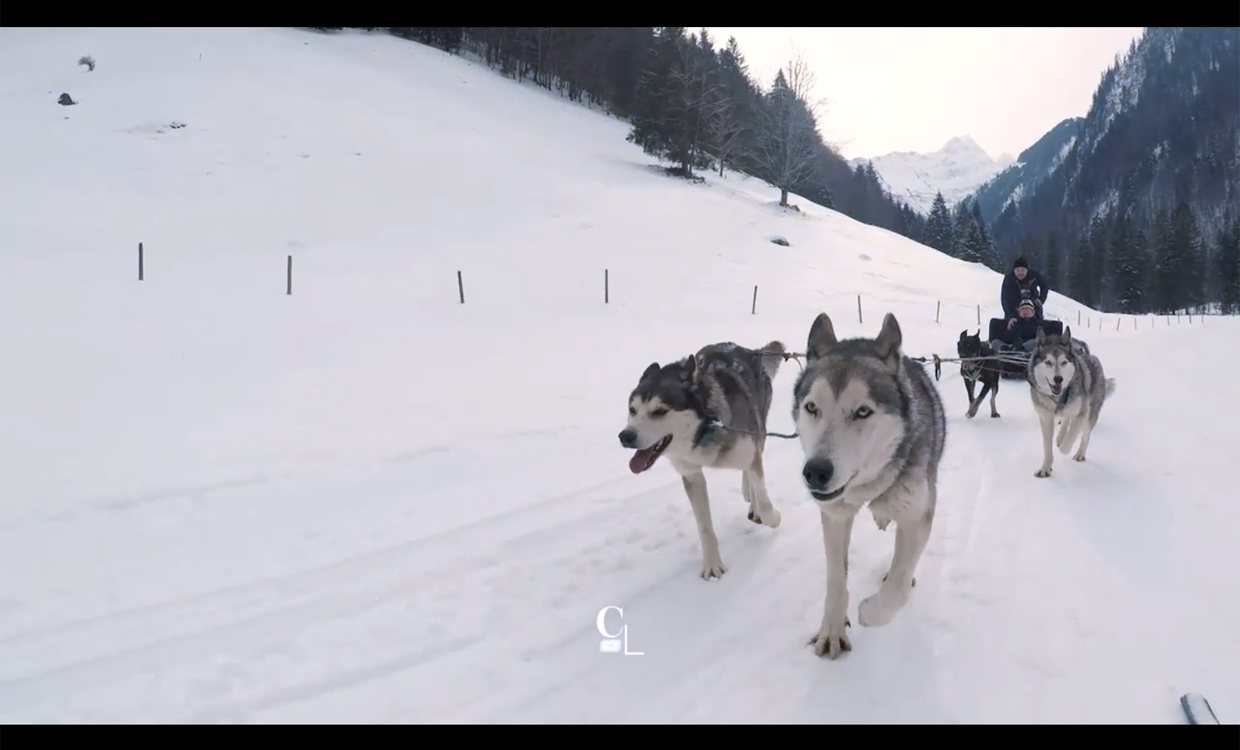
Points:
(1021, 333)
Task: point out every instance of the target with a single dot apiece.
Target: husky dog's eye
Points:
(632, 411)
(862, 412)
(1048, 362)
(658, 412)
(810, 408)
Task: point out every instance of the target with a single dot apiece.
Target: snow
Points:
(1124, 91)
(368, 503)
(957, 169)
(1061, 155)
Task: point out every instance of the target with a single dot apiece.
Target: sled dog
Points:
(708, 410)
(1066, 382)
(986, 371)
(872, 429)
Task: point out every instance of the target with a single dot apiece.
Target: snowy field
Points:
(367, 502)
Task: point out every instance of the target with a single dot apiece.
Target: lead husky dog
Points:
(1066, 382)
(872, 429)
(708, 410)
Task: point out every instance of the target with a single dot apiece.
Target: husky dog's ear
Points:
(979, 333)
(1041, 335)
(690, 369)
(1067, 335)
(964, 335)
(650, 372)
(821, 338)
(889, 338)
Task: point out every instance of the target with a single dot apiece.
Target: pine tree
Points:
(1117, 261)
(1126, 267)
(730, 127)
(961, 247)
(1163, 281)
(1227, 267)
(1186, 236)
(1095, 262)
(939, 230)
(670, 121)
(1051, 270)
(984, 243)
(1079, 269)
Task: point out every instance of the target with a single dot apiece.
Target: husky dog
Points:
(986, 371)
(708, 410)
(1066, 382)
(872, 429)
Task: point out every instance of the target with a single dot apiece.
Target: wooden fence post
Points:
(460, 285)
(606, 290)
(139, 261)
(290, 274)
(754, 309)
(859, 320)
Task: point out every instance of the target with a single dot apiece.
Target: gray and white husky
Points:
(1066, 382)
(872, 429)
(707, 410)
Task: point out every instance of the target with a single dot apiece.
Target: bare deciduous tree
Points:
(88, 61)
(700, 100)
(726, 130)
(788, 140)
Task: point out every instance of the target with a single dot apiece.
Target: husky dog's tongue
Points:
(645, 458)
(641, 460)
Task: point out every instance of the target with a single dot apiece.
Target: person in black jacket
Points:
(1020, 283)
(1023, 333)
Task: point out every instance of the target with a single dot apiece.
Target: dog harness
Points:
(971, 372)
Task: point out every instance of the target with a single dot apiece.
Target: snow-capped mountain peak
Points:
(956, 169)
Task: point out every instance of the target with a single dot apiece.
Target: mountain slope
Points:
(956, 169)
(1163, 132)
(367, 502)
(1033, 166)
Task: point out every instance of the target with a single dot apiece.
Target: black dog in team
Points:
(987, 371)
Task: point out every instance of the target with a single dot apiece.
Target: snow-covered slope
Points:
(368, 502)
(956, 170)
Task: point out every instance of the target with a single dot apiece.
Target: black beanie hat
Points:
(1020, 263)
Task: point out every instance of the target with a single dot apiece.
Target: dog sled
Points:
(1015, 353)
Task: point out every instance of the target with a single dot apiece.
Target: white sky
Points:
(913, 89)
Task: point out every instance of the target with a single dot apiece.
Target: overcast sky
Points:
(894, 89)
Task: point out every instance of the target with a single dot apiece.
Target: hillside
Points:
(367, 502)
(1140, 213)
(1031, 167)
(955, 170)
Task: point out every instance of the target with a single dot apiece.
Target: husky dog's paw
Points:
(881, 523)
(879, 609)
(830, 641)
(994, 415)
(1042, 473)
(713, 568)
(771, 519)
(971, 413)
(1079, 457)
(914, 579)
